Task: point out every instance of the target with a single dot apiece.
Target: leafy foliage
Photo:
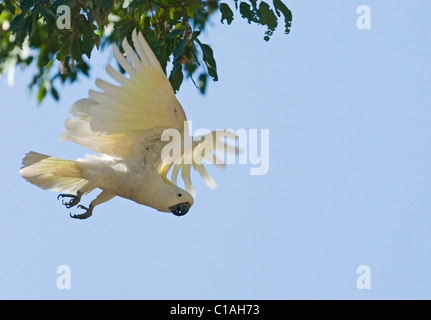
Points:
(171, 27)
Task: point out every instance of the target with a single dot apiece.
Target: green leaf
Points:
(27, 4)
(176, 76)
(202, 83)
(226, 13)
(45, 12)
(163, 55)
(64, 50)
(76, 49)
(87, 45)
(17, 22)
(83, 67)
(97, 41)
(197, 5)
(281, 7)
(208, 57)
(190, 68)
(9, 6)
(174, 33)
(41, 92)
(268, 18)
(55, 94)
(43, 58)
(190, 12)
(172, 13)
(244, 9)
(22, 32)
(28, 61)
(179, 51)
(123, 20)
(87, 39)
(247, 12)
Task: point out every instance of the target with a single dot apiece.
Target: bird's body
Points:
(124, 124)
(126, 176)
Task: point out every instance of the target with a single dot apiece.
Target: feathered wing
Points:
(78, 130)
(204, 148)
(115, 120)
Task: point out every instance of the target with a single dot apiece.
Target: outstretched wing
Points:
(115, 120)
(210, 148)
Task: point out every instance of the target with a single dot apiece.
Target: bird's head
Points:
(180, 201)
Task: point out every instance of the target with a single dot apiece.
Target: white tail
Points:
(51, 173)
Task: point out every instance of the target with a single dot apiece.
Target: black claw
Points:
(73, 201)
(87, 214)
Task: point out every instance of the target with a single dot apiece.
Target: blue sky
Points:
(348, 112)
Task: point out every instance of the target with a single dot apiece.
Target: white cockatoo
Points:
(124, 124)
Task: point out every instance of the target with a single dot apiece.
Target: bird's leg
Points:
(87, 214)
(75, 199)
(101, 198)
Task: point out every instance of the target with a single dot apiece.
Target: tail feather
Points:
(51, 173)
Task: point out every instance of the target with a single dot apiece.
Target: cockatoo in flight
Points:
(124, 123)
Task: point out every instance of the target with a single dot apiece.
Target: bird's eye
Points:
(180, 195)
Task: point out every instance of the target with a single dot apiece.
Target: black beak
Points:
(180, 209)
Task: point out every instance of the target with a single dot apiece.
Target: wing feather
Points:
(117, 76)
(123, 61)
(116, 119)
(193, 157)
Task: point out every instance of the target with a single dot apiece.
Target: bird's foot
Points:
(73, 201)
(87, 214)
